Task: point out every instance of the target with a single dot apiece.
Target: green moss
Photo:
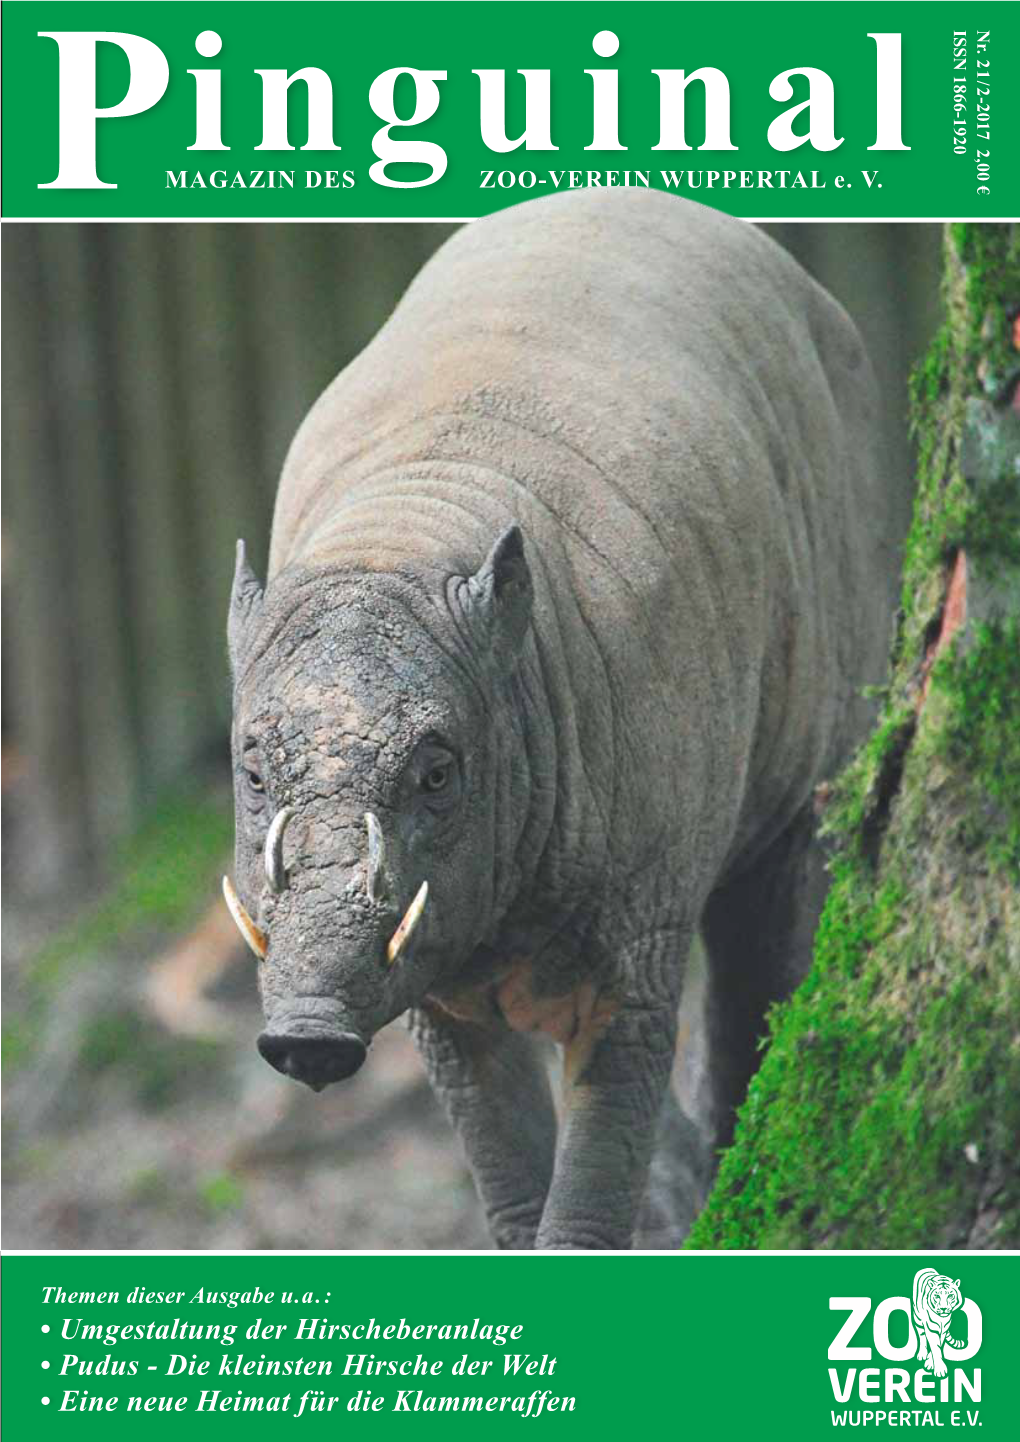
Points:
(857, 794)
(894, 1062)
(886, 1110)
(980, 737)
(990, 531)
(972, 353)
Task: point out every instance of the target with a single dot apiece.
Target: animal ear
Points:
(499, 595)
(245, 601)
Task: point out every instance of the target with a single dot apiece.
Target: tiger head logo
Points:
(936, 1298)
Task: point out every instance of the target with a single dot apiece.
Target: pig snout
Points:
(309, 1036)
(313, 1056)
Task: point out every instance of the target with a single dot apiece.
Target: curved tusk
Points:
(276, 872)
(404, 931)
(376, 858)
(256, 939)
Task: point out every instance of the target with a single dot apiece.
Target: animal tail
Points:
(952, 1342)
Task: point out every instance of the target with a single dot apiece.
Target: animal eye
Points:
(436, 778)
(255, 781)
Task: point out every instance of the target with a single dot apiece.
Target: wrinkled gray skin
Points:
(577, 574)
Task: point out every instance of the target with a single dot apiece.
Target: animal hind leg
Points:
(759, 931)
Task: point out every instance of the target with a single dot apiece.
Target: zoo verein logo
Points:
(909, 1396)
(936, 1298)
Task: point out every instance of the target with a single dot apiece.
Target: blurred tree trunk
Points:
(886, 1112)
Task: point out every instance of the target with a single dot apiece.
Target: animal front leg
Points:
(494, 1088)
(938, 1365)
(922, 1344)
(614, 1089)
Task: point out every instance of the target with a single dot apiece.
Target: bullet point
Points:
(46, 1401)
(45, 1364)
(45, 1327)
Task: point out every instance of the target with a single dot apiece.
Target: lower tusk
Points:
(405, 930)
(256, 939)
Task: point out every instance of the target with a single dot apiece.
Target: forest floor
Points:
(138, 1114)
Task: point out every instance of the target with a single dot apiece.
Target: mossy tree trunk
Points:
(887, 1109)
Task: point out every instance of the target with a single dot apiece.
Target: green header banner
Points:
(765, 1346)
(398, 110)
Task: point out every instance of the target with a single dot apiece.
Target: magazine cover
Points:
(511, 744)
